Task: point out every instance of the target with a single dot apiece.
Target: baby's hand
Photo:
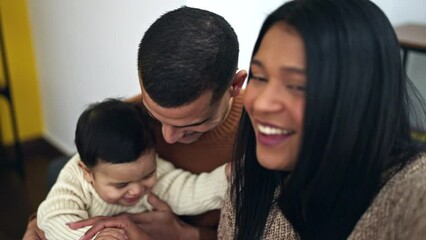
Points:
(111, 233)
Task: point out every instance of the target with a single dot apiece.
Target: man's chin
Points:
(189, 139)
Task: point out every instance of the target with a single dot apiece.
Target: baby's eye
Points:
(120, 185)
(149, 175)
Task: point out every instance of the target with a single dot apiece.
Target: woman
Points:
(324, 148)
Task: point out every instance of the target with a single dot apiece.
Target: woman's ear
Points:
(88, 175)
(238, 82)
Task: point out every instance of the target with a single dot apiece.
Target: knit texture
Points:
(211, 150)
(397, 212)
(72, 198)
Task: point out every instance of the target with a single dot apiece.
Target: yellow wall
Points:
(22, 73)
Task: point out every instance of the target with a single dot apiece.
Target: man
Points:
(187, 64)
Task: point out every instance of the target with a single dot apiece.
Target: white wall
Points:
(409, 11)
(245, 16)
(86, 50)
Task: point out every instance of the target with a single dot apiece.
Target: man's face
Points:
(186, 124)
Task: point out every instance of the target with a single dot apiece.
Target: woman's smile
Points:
(268, 135)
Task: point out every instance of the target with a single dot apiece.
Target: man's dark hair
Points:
(113, 131)
(185, 53)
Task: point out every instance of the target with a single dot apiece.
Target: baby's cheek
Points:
(112, 197)
(152, 182)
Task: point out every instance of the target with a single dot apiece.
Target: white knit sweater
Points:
(72, 198)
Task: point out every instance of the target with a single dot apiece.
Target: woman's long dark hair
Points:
(356, 124)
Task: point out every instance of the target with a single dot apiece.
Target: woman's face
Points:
(275, 97)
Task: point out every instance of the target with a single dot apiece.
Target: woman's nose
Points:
(270, 99)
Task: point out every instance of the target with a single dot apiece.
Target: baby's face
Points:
(125, 183)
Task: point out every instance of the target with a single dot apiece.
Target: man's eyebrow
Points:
(184, 126)
(192, 124)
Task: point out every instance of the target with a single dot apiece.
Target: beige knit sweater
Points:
(397, 212)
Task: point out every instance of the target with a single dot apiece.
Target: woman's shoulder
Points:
(407, 183)
(399, 209)
(415, 169)
(409, 178)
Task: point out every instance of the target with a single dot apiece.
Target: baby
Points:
(116, 166)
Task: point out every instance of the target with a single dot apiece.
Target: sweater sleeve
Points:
(66, 202)
(188, 193)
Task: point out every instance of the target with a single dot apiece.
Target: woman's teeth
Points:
(272, 131)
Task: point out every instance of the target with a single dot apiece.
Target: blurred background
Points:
(58, 56)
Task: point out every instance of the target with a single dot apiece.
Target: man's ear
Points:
(86, 171)
(238, 82)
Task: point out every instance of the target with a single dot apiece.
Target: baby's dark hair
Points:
(113, 131)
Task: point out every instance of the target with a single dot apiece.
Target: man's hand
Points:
(33, 232)
(112, 234)
(162, 223)
(101, 223)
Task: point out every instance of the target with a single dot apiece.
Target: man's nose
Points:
(171, 134)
